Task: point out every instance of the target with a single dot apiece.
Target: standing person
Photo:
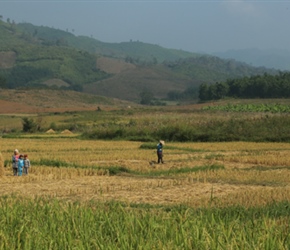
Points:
(20, 165)
(160, 151)
(15, 158)
(26, 164)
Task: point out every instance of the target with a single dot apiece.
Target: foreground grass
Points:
(50, 224)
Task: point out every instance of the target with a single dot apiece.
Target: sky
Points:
(190, 25)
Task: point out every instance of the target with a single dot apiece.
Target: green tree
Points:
(222, 90)
(203, 92)
(174, 95)
(28, 125)
(3, 82)
(146, 97)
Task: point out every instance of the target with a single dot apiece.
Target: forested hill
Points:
(37, 56)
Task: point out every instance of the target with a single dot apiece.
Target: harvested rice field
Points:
(195, 174)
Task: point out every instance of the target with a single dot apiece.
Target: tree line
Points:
(260, 86)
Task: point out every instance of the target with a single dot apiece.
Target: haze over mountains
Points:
(271, 58)
(38, 56)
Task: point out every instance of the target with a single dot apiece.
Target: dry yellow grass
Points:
(239, 183)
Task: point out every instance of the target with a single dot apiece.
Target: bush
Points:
(28, 125)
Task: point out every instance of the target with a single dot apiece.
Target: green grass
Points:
(115, 170)
(51, 224)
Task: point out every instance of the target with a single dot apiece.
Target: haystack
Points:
(66, 131)
(1, 165)
(50, 131)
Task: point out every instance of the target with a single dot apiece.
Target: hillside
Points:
(163, 78)
(26, 62)
(39, 100)
(133, 50)
(130, 83)
(41, 57)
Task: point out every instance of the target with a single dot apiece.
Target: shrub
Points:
(28, 125)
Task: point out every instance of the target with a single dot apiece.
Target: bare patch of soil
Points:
(113, 66)
(7, 59)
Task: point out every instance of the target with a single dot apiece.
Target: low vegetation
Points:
(260, 122)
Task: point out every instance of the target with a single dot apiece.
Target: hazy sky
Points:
(196, 26)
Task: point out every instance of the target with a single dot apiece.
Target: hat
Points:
(16, 151)
(162, 142)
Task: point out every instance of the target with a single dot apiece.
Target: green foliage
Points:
(213, 69)
(146, 97)
(38, 62)
(29, 125)
(117, 170)
(132, 51)
(259, 86)
(25, 75)
(3, 81)
(188, 94)
(263, 128)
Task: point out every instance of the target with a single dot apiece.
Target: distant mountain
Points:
(42, 57)
(271, 58)
(133, 51)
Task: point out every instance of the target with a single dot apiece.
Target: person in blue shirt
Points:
(20, 165)
(160, 151)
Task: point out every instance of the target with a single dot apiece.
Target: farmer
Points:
(26, 164)
(20, 165)
(160, 151)
(15, 158)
